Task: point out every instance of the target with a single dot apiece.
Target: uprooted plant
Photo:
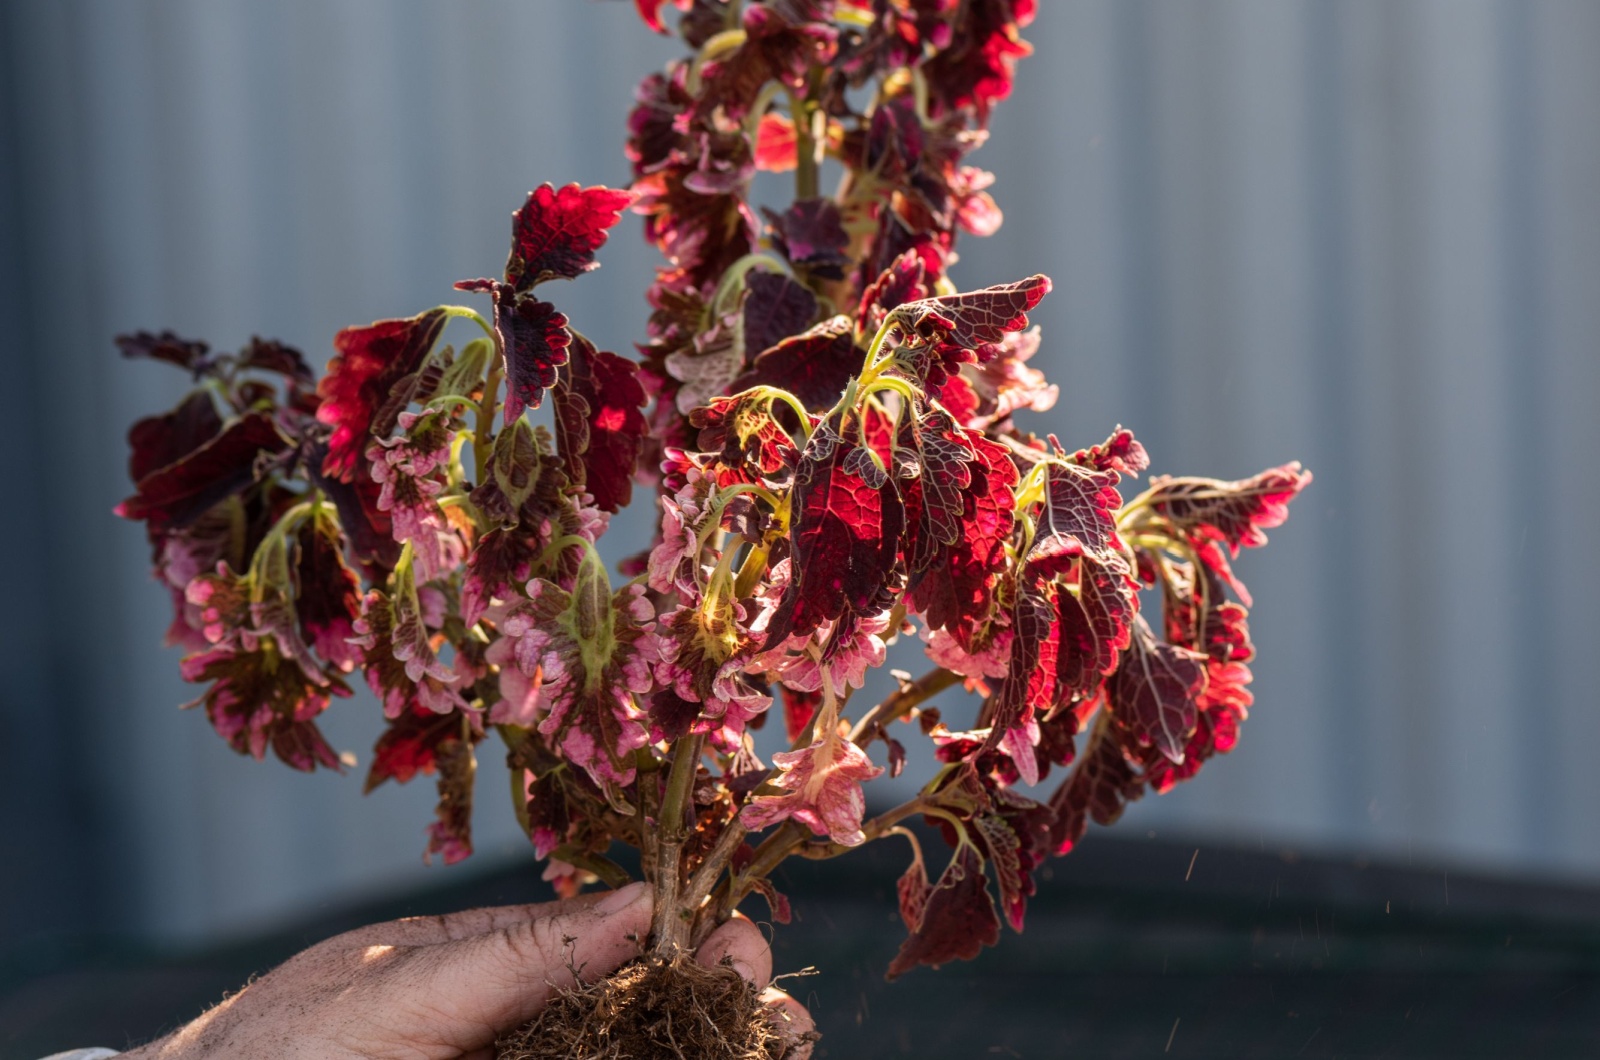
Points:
(837, 464)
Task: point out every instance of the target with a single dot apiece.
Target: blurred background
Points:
(1362, 234)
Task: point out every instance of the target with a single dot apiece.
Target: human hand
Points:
(444, 987)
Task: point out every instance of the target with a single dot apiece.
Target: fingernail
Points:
(619, 900)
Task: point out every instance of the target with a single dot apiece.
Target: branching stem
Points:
(901, 703)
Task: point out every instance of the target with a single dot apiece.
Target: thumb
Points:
(504, 978)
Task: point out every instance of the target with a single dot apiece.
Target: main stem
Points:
(671, 924)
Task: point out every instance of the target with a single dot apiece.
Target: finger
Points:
(792, 1019)
(448, 927)
(504, 978)
(743, 944)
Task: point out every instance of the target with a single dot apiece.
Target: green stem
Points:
(671, 923)
(481, 444)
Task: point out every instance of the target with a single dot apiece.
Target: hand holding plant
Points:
(834, 451)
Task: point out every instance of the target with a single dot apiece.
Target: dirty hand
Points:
(444, 987)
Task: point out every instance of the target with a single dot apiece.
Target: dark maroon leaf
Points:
(815, 366)
(958, 918)
(1077, 520)
(902, 282)
(185, 353)
(1099, 788)
(978, 319)
(811, 235)
(782, 42)
(775, 308)
(270, 355)
(368, 528)
(671, 716)
(156, 441)
(450, 835)
(179, 492)
(1153, 692)
(945, 457)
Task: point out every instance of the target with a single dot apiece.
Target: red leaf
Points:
(955, 590)
(814, 366)
(945, 458)
(650, 11)
(777, 901)
(902, 282)
(1121, 452)
(224, 465)
(964, 327)
(1077, 520)
(1096, 626)
(410, 745)
(556, 232)
(977, 318)
(844, 539)
(1100, 788)
(976, 70)
(1004, 851)
(1029, 688)
(798, 710)
(599, 426)
(367, 364)
(1232, 512)
(1153, 692)
(958, 918)
(1029, 823)
(776, 144)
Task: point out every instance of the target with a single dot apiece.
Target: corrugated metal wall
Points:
(1360, 233)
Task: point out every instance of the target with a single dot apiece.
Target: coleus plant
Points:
(828, 423)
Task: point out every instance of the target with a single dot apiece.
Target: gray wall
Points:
(1360, 233)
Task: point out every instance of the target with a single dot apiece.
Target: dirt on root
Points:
(654, 1009)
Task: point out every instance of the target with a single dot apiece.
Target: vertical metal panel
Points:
(1356, 232)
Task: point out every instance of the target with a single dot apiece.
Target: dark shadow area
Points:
(1135, 948)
